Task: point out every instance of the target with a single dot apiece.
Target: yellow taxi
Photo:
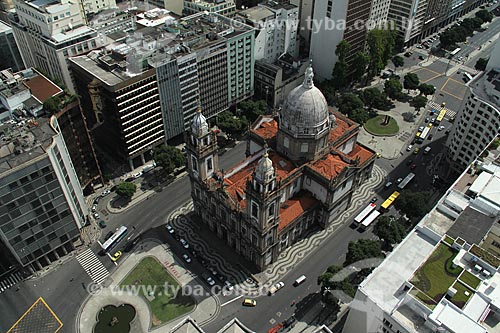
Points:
(249, 302)
(116, 256)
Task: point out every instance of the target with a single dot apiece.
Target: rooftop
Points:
(295, 207)
(472, 226)
(330, 166)
(42, 88)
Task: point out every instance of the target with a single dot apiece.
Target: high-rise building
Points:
(332, 23)
(305, 177)
(443, 277)
(408, 18)
(276, 28)
(6, 6)
(210, 62)
(48, 32)
(478, 121)
(226, 8)
(43, 208)
(9, 53)
(306, 9)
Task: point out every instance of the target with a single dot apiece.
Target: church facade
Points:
(301, 170)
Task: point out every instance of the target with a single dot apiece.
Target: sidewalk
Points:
(206, 308)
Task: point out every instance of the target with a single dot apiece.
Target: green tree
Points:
(360, 64)
(352, 105)
(53, 104)
(389, 231)
(485, 15)
(168, 158)
(494, 145)
(376, 46)
(419, 102)
(399, 42)
(339, 75)
(411, 81)
(232, 124)
(426, 89)
(481, 64)
(326, 277)
(330, 301)
(126, 190)
(413, 204)
(362, 249)
(393, 88)
(253, 109)
(398, 61)
(374, 98)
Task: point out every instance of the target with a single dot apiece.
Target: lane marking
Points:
(231, 301)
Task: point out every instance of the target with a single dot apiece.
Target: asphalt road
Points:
(479, 39)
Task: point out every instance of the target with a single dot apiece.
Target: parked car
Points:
(186, 258)
(96, 215)
(102, 224)
(116, 256)
(94, 208)
(440, 128)
(210, 281)
(137, 174)
(409, 148)
(169, 228)
(184, 243)
(105, 193)
(228, 285)
(388, 184)
(415, 152)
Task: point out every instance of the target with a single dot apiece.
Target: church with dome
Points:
(301, 170)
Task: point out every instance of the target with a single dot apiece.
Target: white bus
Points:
(405, 181)
(364, 213)
(424, 133)
(369, 220)
(114, 239)
(455, 51)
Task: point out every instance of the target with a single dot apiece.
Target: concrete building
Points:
(304, 178)
(452, 244)
(306, 10)
(226, 8)
(379, 14)
(6, 7)
(9, 53)
(274, 81)
(334, 22)
(478, 122)
(408, 17)
(210, 61)
(43, 208)
(47, 32)
(276, 28)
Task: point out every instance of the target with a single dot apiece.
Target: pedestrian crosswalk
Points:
(93, 266)
(9, 281)
(438, 108)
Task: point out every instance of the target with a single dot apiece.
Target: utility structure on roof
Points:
(305, 177)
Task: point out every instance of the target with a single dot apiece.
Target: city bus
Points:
(440, 117)
(455, 51)
(364, 213)
(390, 200)
(369, 220)
(114, 239)
(424, 133)
(405, 181)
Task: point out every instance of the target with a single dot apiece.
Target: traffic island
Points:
(382, 125)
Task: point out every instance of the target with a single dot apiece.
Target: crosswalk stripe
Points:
(93, 266)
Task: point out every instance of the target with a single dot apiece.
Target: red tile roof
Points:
(291, 209)
(363, 153)
(267, 130)
(329, 166)
(343, 125)
(42, 88)
(235, 184)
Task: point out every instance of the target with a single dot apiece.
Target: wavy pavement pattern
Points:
(291, 256)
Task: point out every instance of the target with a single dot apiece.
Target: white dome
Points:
(305, 110)
(199, 126)
(265, 169)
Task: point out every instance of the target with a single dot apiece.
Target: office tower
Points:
(9, 53)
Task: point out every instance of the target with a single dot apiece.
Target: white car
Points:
(440, 128)
(186, 258)
(105, 193)
(210, 281)
(96, 216)
(409, 148)
(399, 180)
(137, 174)
(184, 243)
(169, 228)
(228, 285)
(94, 208)
(460, 58)
(421, 128)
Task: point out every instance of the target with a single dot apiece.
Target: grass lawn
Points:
(436, 275)
(460, 299)
(449, 240)
(153, 276)
(374, 126)
(470, 279)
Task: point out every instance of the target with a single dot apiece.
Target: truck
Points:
(148, 167)
(275, 288)
(427, 150)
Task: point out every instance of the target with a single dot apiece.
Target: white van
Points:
(299, 281)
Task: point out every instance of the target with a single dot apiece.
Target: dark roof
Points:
(472, 226)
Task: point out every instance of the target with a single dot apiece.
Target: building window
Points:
(209, 164)
(304, 148)
(255, 210)
(271, 210)
(194, 163)
(286, 142)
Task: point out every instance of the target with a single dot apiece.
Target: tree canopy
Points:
(169, 158)
(339, 75)
(389, 231)
(398, 61)
(413, 204)
(411, 81)
(485, 15)
(232, 124)
(352, 105)
(374, 98)
(393, 88)
(362, 249)
(419, 102)
(360, 64)
(126, 190)
(253, 109)
(426, 89)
